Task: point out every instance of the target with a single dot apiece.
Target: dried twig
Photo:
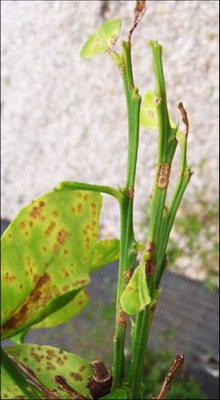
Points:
(184, 117)
(173, 370)
(139, 12)
(49, 393)
(63, 385)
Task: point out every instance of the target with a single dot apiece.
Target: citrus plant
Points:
(52, 246)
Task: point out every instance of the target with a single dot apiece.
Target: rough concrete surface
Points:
(64, 118)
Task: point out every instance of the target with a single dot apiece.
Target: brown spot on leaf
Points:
(9, 278)
(93, 205)
(55, 247)
(55, 213)
(79, 207)
(61, 236)
(36, 213)
(65, 288)
(76, 376)
(31, 224)
(60, 361)
(23, 224)
(82, 368)
(50, 228)
(22, 314)
(21, 286)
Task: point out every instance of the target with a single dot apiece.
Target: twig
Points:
(50, 393)
(173, 370)
(63, 385)
(184, 117)
(139, 12)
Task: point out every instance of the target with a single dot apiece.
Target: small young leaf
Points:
(65, 313)
(103, 39)
(105, 252)
(46, 254)
(136, 294)
(47, 362)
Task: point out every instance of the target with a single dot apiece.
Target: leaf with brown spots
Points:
(65, 313)
(47, 252)
(103, 39)
(46, 362)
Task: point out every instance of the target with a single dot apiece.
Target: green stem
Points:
(169, 221)
(127, 242)
(166, 149)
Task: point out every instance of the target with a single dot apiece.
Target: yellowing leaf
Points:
(67, 312)
(136, 294)
(46, 255)
(103, 39)
(46, 362)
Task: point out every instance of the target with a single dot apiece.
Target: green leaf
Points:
(46, 256)
(65, 313)
(116, 394)
(105, 252)
(46, 362)
(136, 294)
(102, 39)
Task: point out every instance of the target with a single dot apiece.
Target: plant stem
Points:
(127, 241)
(166, 148)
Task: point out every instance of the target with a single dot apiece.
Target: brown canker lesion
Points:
(122, 319)
(50, 228)
(32, 301)
(150, 267)
(163, 175)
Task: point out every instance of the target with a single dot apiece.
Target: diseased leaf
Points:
(105, 252)
(136, 294)
(103, 39)
(116, 394)
(65, 313)
(13, 382)
(46, 255)
(46, 362)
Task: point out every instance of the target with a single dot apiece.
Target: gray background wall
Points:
(65, 118)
